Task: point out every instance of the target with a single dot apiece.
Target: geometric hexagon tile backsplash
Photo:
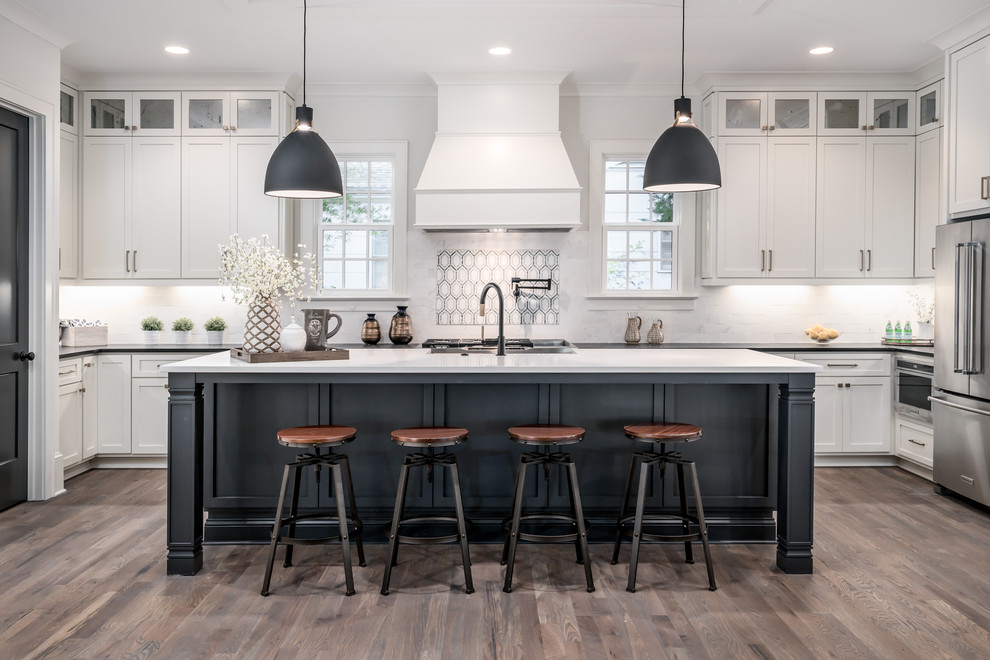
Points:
(461, 274)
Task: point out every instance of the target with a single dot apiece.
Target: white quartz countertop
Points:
(590, 360)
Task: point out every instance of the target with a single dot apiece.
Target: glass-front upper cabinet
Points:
(930, 107)
(891, 113)
(859, 113)
(766, 113)
(69, 110)
(124, 113)
(230, 113)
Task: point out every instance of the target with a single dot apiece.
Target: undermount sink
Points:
(540, 346)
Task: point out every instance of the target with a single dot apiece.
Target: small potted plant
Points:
(214, 330)
(182, 328)
(152, 327)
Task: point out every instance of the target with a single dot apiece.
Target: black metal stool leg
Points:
(622, 511)
(393, 534)
(644, 477)
(682, 490)
(276, 531)
(703, 526)
(345, 543)
(293, 511)
(513, 536)
(353, 506)
(579, 556)
(461, 527)
(579, 516)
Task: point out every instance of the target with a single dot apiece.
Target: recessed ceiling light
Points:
(177, 50)
(821, 50)
(500, 50)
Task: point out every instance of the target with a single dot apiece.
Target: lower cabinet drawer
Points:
(146, 365)
(69, 371)
(914, 442)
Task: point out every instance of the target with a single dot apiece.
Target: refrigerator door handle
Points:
(960, 293)
(935, 399)
(974, 358)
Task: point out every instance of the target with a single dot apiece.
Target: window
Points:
(639, 247)
(361, 235)
(639, 231)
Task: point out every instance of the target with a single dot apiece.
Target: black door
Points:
(14, 352)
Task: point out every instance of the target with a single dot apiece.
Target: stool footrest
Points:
(625, 522)
(430, 540)
(546, 517)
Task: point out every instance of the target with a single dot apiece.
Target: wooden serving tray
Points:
(911, 342)
(328, 353)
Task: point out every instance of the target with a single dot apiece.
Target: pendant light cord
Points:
(683, 21)
(304, 55)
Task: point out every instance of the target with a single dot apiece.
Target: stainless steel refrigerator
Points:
(961, 397)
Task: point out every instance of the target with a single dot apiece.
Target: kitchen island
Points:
(756, 457)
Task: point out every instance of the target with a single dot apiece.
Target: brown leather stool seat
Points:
(546, 436)
(662, 434)
(313, 439)
(428, 438)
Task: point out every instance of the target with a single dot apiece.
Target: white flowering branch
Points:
(256, 269)
(923, 307)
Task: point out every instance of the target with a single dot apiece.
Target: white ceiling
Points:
(598, 41)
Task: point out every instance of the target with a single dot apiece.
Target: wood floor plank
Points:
(900, 572)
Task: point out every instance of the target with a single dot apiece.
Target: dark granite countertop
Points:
(783, 347)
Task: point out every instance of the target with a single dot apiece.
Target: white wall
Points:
(758, 314)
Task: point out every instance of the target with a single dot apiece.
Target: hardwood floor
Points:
(900, 573)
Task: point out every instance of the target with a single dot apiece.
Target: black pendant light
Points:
(682, 159)
(302, 166)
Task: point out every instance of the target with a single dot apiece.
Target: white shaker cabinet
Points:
(77, 398)
(222, 194)
(70, 423)
(865, 207)
(863, 113)
(929, 107)
(766, 113)
(68, 205)
(766, 207)
(119, 113)
(928, 200)
(114, 403)
(149, 415)
(969, 128)
(131, 212)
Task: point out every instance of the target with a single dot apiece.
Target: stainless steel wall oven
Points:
(913, 382)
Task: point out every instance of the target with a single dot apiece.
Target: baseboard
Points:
(116, 462)
(856, 460)
(922, 471)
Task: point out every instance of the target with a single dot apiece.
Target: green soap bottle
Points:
(898, 333)
(888, 333)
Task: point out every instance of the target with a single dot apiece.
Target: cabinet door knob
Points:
(226, 128)
(771, 127)
(82, 390)
(763, 128)
(863, 127)
(133, 128)
(870, 128)
(233, 128)
(27, 357)
(934, 120)
(126, 127)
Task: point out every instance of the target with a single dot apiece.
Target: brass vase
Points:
(400, 331)
(371, 332)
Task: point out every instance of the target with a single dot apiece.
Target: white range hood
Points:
(498, 161)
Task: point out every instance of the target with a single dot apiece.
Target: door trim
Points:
(44, 460)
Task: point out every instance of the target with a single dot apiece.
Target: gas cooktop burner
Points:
(468, 343)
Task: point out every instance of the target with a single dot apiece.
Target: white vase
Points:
(152, 336)
(293, 338)
(182, 336)
(261, 332)
(214, 337)
(925, 330)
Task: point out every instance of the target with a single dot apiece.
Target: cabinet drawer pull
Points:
(127, 261)
(915, 442)
(841, 364)
(66, 373)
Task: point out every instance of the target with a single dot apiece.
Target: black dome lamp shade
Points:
(682, 159)
(302, 166)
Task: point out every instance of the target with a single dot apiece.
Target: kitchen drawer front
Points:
(849, 364)
(69, 371)
(914, 442)
(145, 365)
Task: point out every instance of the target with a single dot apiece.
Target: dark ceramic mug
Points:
(316, 323)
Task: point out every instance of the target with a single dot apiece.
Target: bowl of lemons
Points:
(821, 334)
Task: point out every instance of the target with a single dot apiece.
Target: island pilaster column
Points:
(185, 475)
(795, 473)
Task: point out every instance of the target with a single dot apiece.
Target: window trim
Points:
(311, 212)
(684, 216)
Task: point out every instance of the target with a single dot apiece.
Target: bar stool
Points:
(546, 436)
(662, 434)
(316, 438)
(428, 438)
